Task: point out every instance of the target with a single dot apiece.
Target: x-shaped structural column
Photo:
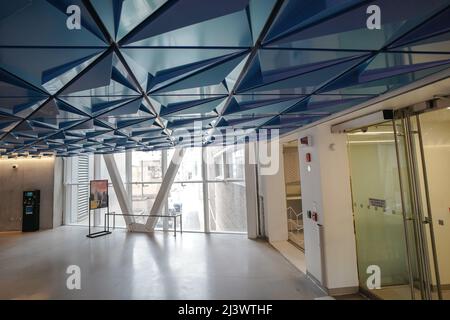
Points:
(160, 199)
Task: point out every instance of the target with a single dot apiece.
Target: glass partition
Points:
(435, 133)
(378, 210)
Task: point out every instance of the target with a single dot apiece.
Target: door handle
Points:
(426, 220)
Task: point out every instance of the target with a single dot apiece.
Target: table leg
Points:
(175, 226)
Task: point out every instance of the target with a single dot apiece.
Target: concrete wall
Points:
(228, 205)
(31, 174)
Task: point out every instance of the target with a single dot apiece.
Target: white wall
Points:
(326, 190)
(273, 191)
(31, 174)
(311, 187)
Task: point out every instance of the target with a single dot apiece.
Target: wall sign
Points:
(378, 203)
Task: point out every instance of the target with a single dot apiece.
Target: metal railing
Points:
(297, 216)
(174, 216)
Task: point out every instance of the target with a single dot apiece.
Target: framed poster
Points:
(98, 197)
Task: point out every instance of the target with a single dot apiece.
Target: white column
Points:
(119, 189)
(274, 202)
(325, 183)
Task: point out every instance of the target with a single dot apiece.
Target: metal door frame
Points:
(420, 220)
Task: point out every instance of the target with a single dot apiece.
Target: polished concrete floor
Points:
(146, 266)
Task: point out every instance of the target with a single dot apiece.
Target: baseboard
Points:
(333, 291)
(443, 287)
(316, 282)
(343, 291)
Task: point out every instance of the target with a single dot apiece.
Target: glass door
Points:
(426, 151)
(433, 142)
(413, 214)
(400, 174)
(379, 212)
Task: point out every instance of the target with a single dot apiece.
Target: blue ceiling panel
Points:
(388, 71)
(151, 74)
(175, 15)
(342, 24)
(232, 30)
(43, 23)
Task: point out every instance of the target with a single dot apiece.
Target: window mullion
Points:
(205, 190)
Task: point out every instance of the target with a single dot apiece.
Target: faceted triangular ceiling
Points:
(143, 74)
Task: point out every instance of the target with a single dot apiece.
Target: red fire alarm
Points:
(306, 141)
(314, 216)
(308, 157)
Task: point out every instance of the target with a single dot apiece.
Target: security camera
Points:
(15, 166)
(364, 129)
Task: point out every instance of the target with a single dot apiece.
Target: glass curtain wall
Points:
(210, 196)
(225, 184)
(147, 170)
(186, 194)
(78, 172)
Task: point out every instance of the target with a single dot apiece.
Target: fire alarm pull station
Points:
(308, 157)
(314, 216)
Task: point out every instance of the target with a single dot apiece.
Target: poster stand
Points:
(98, 233)
(99, 205)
